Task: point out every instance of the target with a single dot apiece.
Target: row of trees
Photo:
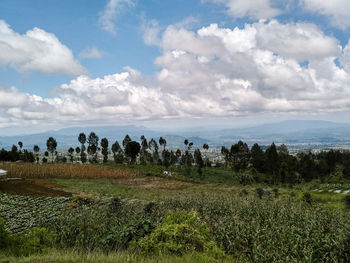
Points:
(273, 165)
(277, 165)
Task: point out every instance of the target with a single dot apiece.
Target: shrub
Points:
(4, 236)
(115, 205)
(179, 234)
(347, 202)
(33, 241)
(245, 178)
(307, 198)
(276, 192)
(260, 192)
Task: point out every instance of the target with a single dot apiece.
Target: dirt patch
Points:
(154, 183)
(33, 187)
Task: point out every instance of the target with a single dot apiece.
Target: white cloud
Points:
(214, 72)
(36, 50)
(255, 9)
(337, 10)
(151, 31)
(108, 16)
(91, 53)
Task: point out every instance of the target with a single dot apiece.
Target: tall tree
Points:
(272, 162)
(132, 149)
(51, 145)
(144, 154)
(20, 144)
(258, 158)
(206, 148)
(36, 150)
(153, 146)
(104, 145)
(117, 153)
(199, 162)
(82, 140)
(71, 151)
(126, 140)
(239, 156)
(162, 142)
(92, 146)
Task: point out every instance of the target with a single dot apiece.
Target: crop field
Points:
(31, 170)
(24, 212)
(118, 215)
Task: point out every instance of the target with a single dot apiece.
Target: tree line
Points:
(273, 165)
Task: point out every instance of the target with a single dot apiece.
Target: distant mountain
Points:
(297, 133)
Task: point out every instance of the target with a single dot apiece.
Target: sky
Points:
(165, 63)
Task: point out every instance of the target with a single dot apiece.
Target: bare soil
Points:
(33, 187)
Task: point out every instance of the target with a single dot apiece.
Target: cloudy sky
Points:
(163, 62)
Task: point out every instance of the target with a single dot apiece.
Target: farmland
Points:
(109, 215)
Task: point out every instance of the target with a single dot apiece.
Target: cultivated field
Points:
(137, 214)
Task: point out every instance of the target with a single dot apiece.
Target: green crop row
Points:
(24, 212)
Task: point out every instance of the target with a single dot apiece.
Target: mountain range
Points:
(294, 133)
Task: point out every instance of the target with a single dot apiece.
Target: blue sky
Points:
(82, 62)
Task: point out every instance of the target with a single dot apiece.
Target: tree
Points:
(206, 148)
(104, 145)
(257, 158)
(117, 153)
(20, 144)
(199, 162)
(153, 146)
(144, 155)
(92, 146)
(272, 162)
(226, 153)
(166, 156)
(82, 140)
(178, 155)
(239, 156)
(36, 150)
(77, 150)
(51, 145)
(126, 140)
(132, 149)
(71, 151)
(162, 142)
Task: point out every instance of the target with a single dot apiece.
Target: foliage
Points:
(180, 233)
(24, 212)
(347, 201)
(32, 241)
(307, 198)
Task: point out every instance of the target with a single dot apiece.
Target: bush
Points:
(4, 236)
(307, 198)
(181, 233)
(260, 192)
(347, 201)
(33, 241)
(276, 192)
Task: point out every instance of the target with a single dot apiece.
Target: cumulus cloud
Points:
(213, 72)
(36, 50)
(91, 53)
(337, 10)
(108, 16)
(255, 9)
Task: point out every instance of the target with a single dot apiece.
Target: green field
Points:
(123, 220)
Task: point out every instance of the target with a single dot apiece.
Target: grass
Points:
(117, 188)
(64, 256)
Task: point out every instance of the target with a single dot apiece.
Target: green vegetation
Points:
(153, 203)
